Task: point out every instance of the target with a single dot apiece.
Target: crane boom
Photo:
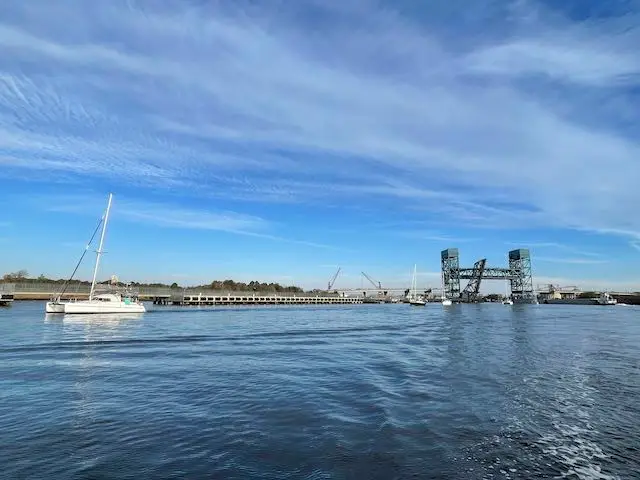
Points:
(377, 285)
(333, 279)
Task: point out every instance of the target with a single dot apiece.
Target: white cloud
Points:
(575, 261)
(247, 103)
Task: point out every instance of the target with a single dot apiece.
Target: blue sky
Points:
(277, 140)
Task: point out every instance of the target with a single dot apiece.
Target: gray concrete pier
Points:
(204, 299)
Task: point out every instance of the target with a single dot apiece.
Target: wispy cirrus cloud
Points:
(510, 125)
(607, 65)
(167, 215)
(434, 236)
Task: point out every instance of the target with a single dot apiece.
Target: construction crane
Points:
(377, 285)
(333, 280)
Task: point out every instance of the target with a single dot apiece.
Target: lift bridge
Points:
(518, 273)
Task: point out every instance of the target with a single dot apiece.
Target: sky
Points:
(278, 140)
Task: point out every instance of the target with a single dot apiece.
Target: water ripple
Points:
(387, 391)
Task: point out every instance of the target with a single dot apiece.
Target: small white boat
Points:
(112, 302)
(507, 298)
(443, 299)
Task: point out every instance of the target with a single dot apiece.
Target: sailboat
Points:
(110, 302)
(413, 299)
(445, 301)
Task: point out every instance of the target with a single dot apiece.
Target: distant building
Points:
(555, 292)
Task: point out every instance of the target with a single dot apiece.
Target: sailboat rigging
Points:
(414, 299)
(55, 305)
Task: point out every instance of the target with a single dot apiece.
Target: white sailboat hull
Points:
(103, 307)
(54, 307)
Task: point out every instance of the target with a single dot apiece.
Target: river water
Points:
(356, 392)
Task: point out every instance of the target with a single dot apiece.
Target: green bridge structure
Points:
(518, 273)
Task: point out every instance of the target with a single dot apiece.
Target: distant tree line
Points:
(252, 286)
(22, 276)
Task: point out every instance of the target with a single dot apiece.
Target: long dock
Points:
(190, 297)
(201, 299)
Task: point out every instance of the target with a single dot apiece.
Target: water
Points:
(359, 392)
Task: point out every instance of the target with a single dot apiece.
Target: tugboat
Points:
(606, 299)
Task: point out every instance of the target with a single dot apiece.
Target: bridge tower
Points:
(450, 262)
(520, 276)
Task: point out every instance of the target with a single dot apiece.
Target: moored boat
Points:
(110, 302)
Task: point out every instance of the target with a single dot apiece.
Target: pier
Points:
(216, 298)
(188, 297)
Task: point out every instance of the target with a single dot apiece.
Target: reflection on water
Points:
(105, 319)
(95, 326)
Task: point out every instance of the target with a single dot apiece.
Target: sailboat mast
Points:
(99, 252)
(415, 281)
